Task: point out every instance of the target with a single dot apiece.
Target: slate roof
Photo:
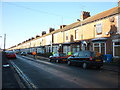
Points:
(98, 16)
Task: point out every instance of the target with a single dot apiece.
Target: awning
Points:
(66, 43)
(117, 36)
(99, 39)
(72, 43)
(39, 47)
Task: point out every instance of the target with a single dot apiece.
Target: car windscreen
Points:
(24, 52)
(62, 55)
(89, 54)
(11, 53)
(86, 54)
(55, 55)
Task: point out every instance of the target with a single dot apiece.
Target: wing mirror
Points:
(72, 56)
(50, 56)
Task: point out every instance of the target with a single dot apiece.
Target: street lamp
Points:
(51, 46)
(0, 37)
(4, 41)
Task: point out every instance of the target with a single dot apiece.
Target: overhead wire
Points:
(29, 8)
(32, 9)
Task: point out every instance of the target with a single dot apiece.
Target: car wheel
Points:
(49, 60)
(98, 67)
(57, 61)
(84, 65)
(69, 63)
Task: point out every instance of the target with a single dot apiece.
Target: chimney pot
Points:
(51, 29)
(84, 15)
(43, 33)
(62, 26)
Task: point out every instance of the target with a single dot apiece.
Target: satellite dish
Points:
(106, 33)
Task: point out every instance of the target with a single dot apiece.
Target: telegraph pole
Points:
(1, 43)
(4, 41)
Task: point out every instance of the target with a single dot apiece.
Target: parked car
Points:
(86, 59)
(23, 53)
(58, 57)
(10, 54)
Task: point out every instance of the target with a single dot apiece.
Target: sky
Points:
(23, 20)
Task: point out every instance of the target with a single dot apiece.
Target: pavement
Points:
(111, 67)
(8, 77)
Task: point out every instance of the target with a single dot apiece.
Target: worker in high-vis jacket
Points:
(69, 54)
(34, 53)
(53, 53)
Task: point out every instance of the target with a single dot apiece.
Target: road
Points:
(45, 74)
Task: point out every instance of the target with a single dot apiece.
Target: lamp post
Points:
(82, 36)
(81, 30)
(51, 46)
(0, 37)
(4, 41)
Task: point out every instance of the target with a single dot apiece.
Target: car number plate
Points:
(63, 60)
(98, 60)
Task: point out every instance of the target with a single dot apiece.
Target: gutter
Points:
(23, 78)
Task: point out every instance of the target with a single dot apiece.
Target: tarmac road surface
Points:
(45, 74)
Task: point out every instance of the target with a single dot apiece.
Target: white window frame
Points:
(55, 48)
(76, 34)
(99, 46)
(66, 36)
(117, 21)
(99, 25)
(66, 49)
(99, 35)
(114, 41)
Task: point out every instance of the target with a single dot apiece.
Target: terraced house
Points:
(100, 33)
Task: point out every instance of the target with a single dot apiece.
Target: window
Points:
(75, 48)
(75, 54)
(76, 34)
(81, 54)
(117, 20)
(99, 28)
(56, 54)
(96, 47)
(100, 47)
(61, 54)
(117, 43)
(87, 54)
(66, 36)
(55, 48)
(116, 48)
(103, 48)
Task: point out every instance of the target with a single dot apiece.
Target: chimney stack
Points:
(43, 33)
(51, 29)
(62, 26)
(84, 15)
